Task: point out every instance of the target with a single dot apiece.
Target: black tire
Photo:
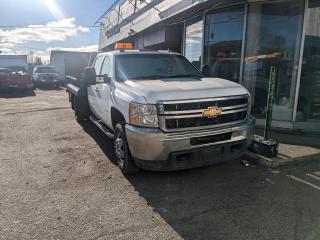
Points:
(72, 101)
(126, 164)
(81, 109)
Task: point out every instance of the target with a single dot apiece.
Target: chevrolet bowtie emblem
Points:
(211, 112)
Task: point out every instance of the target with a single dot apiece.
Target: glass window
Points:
(223, 43)
(309, 93)
(133, 67)
(106, 67)
(274, 29)
(193, 43)
(46, 70)
(98, 63)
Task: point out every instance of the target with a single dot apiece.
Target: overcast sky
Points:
(49, 13)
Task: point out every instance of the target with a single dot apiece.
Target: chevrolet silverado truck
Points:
(45, 75)
(162, 113)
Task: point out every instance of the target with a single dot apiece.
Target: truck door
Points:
(93, 91)
(104, 91)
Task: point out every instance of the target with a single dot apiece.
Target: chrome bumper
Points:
(49, 80)
(46, 80)
(155, 145)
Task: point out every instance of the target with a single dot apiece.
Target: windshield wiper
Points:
(184, 76)
(148, 77)
(162, 76)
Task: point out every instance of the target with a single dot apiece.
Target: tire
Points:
(81, 110)
(122, 153)
(72, 101)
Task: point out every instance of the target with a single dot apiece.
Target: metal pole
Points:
(271, 89)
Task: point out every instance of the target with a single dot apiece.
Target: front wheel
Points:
(122, 152)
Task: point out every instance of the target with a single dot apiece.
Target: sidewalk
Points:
(293, 148)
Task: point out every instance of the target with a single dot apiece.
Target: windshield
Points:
(4, 71)
(13, 69)
(46, 70)
(153, 66)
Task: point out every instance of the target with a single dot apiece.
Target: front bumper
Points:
(154, 149)
(20, 87)
(46, 80)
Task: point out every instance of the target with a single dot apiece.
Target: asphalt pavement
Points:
(58, 180)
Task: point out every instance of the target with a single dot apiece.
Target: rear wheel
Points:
(122, 152)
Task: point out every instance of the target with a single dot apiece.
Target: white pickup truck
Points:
(161, 112)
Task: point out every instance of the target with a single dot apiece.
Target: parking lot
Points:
(58, 180)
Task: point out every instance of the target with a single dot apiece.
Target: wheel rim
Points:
(119, 150)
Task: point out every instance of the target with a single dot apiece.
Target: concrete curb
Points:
(280, 160)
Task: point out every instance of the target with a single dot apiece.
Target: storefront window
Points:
(193, 43)
(223, 43)
(309, 93)
(274, 29)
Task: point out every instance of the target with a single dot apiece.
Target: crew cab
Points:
(45, 75)
(161, 112)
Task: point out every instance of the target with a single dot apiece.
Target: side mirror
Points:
(106, 78)
(205, 70)
(89, 76)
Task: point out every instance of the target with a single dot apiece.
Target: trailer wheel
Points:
(122, 152)
(71, 99)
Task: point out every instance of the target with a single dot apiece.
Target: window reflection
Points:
(223, 43)
(273, 28)
(193, 44)
(309, 94)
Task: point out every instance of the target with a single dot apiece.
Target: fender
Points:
(121, 95)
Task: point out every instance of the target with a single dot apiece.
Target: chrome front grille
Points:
(187, 114)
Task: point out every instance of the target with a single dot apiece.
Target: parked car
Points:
(15, 79)
(45, 75)
(14, 73)
(161, 112)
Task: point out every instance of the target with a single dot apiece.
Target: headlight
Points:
(143, 115)
(239, 133)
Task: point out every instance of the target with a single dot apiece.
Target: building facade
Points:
(236, 40)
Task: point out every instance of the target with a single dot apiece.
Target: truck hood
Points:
(186, 88)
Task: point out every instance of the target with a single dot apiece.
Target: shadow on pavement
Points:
(203, 203)
(103, 142)
(48, 87)
(17, 93)
(224, 201)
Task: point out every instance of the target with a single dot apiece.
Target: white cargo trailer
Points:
(71, 64)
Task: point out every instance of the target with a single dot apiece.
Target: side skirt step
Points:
(101, 126)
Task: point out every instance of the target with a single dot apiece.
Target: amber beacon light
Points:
(121, 45)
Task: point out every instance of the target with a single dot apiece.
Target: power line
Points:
(31, 48)
(108, 10)
(47, 27)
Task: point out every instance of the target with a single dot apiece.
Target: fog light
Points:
(239, 133)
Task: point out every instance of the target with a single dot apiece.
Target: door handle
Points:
(97, 89)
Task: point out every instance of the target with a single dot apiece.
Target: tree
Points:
(37, 61)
